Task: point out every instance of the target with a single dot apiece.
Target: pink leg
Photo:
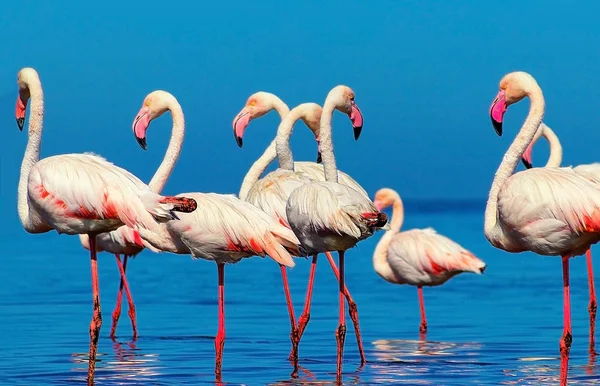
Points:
(593, 305)
(220, 338)
(352, 309)
(294, 333)
(117, 311)
(305, 317)
(423, 327)
(97, 318)
(340, 333)
(567, 338)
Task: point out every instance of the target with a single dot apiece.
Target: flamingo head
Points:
(155, 104)
(311, 116)
(385, 197)
(25, 77)
(513, 87)
(257, 105)
(343, 99)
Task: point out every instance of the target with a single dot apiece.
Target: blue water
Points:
(502, 327)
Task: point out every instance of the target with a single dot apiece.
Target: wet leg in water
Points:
(294, 334)
(566, 339)
(340, 333)
(593, 304)
(423, 326)
(220, 338)
(97, 318)
(117, 312)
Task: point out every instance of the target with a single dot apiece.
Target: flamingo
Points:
(228, 231)
(548, 211)
(418, 257)
(81, 194)
(326, 215)
(590, 171)
(123, 240)
(258, 105)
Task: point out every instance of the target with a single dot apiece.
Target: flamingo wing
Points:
(422, 257)
(550, 210)
(315, 172)
(589, 171)
(226, 229)
(73, 188)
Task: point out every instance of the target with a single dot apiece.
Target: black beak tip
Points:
(357, 131)
(482, 269)
(497, 126)
(319, 158)
(526, 163)
(239, 140)
(21, 123)
(142, 142)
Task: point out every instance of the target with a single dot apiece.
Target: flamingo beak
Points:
(319, 158)
(497, 111)
(140, 125)
(240, 122)
(356, 118)
(20, 111)
(526, 158)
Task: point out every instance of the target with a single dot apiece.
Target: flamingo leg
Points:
(220, 338)
(352, 310)
(96, 322)
(305, 317)
(423, 327)
(117, 311)
(593, 304)
(294, 334)
(567, 338)
(340, 333)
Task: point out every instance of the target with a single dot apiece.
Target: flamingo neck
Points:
(32, 153)
(262, 163)
(380, 262)
(327, 154)
(282, 140)
(509, 163)
(556, 151)
(158, 181)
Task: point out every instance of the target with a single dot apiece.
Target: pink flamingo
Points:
(418, 257)
(123, 240)
(259, 193)
(227, 231)
(549, 211)
(81, 194)
(326, 215)
(592, 173)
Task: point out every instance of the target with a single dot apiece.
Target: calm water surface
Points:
(501, 328)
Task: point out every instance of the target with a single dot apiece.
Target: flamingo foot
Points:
(131, 313)
(340, 337)
(115, 316)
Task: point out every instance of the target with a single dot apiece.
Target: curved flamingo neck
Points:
(32, 151)
(380, 263)
(556, 151)
(162, 174)
(282, 140)
(327, 154)
(262, 163)
(509, 163)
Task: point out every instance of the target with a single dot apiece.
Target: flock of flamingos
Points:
(302, 208)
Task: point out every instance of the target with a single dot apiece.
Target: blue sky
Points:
(424, 73)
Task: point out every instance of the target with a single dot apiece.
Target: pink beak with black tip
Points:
(497, 111)
(240, 122)
(356, 118)
(140, 125)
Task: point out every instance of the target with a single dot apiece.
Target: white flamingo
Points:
(589, 171)
(81, 194)
(325, 215)
(418, 257)
(227, 231)
(549, 211)
(274, 200)
(126, 240)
